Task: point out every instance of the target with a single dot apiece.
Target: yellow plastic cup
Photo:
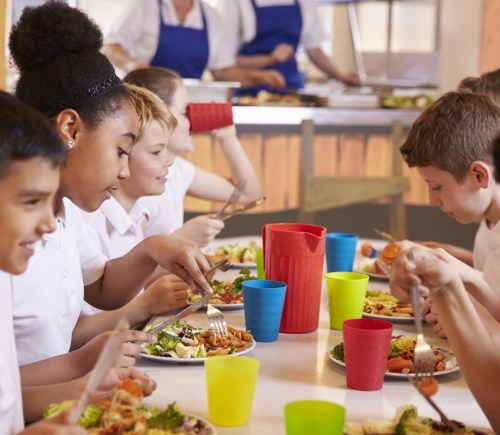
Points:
(316, 417)
(346, 296)
(231, 382)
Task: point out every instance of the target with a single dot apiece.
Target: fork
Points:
(423, 358)
(216, 321)
(235, 195)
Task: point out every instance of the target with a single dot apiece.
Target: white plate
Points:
(224, 306)
(449, 360)
(177, 360)
(394, 319)
(358, 267)
(242, 265)
(208, 425)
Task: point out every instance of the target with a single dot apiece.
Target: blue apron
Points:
(275, 25)
(183, 49)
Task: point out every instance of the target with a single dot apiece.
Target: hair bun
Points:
(50, 31)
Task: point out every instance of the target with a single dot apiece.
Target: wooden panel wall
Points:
(276, 158)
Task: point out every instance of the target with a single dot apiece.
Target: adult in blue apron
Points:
(276, 25)
(182, 49)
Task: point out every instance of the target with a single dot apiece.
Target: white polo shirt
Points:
(166, 211)
(138, 30)
(116, 231)
(48, 297)
(11, 402)
(239, 19)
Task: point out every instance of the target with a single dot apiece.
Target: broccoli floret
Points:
(170, 418)
(167, 341)
(338, 351)
(394, 351)
(91, 416)
(238, 282)
(409, 423)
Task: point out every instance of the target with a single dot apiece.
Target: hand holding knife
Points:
(242, 208)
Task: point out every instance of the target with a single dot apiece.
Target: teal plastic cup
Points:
(340, 250)
(315, 417)
(263, 305)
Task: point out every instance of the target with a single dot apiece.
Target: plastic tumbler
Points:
(231, 384)
(366, 346)
(346, 296)
(209, 116)
(340, 251)
(263, 308)
(314, 417)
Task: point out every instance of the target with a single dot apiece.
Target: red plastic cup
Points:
(366, 346)
(294, 254)
(209, 116)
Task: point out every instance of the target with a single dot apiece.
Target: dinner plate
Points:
(225, 306)
(242, 265)
(358, 267)
(177, 360)
(395, 319)
(449, 360)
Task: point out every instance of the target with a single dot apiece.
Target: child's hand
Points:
(57, 425)
(225, 134)
(201, 229)
(164, 294)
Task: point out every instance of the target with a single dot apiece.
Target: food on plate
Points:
(226, 292)
(368, 250)
(407, 102)
(238, 252)
(386, 255)
(400, 356)
(182, 340)
(125, 413)
(268, 98)
(406, 422)
(429, 386)
(384, 304)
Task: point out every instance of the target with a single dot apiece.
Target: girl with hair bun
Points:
(63, 74)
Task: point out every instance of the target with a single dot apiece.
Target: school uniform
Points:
(11, 402)
(258, 26)
(116, 231)
(150, 32)
(166, 211)
(48, 297)
(486, 253)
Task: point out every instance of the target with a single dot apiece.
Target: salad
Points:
(226, 292)
(238, 252)
(125, 413)
(182, 340)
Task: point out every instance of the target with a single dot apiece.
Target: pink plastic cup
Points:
(366, 346)
(209, 116)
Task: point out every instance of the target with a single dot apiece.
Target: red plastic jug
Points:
(295, 253)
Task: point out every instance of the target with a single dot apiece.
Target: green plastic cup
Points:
(316, 417)
(346, 296)
(231, 384)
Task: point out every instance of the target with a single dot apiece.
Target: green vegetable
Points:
(169, 418)
(409, 423)
(90, 416)
(338, 351)
(394, 351)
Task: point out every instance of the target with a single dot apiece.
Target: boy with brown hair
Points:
(450, 147)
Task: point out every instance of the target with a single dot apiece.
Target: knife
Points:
(387, 236)
(243, 208)
(104, 363)
(446, 421)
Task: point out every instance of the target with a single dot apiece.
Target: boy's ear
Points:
(68, 125)
(482, 173)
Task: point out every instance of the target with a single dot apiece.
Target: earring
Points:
(71, 144)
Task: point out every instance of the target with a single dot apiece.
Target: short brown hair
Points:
(150, 107)
(453, 132)
(162, 81)
(488, 83)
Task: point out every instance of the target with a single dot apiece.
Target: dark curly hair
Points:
(25, 134)
(56, 50)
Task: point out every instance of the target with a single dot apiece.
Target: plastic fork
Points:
(235, 195)
(423, 358)
(216, 321)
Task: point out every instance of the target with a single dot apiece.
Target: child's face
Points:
(148, 162)
(99, 159)
(181, 141)
(464, 201)
(26, 210)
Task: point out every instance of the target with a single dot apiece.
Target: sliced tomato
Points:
(399, 365)
(390, 252)
(428, 386)
(131, 386)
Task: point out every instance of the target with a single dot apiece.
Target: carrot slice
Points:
(390, 251)
(131, 386)
(428, 386)
(399, 365)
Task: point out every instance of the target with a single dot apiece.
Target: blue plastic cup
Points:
(340, 250)
(263, 304)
